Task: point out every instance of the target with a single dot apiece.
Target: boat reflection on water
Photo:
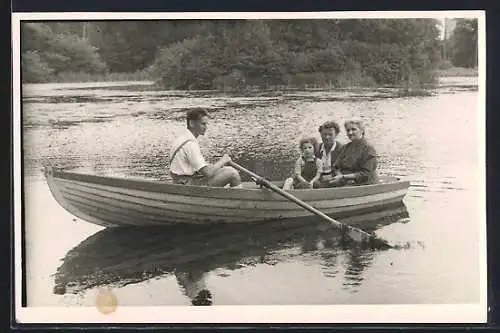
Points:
(122, 256)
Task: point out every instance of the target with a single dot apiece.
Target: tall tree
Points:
(464, 42)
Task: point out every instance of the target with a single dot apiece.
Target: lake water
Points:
(125, 129)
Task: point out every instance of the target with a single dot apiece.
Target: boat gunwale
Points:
(217, 192)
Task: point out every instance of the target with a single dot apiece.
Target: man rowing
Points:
(187, 164)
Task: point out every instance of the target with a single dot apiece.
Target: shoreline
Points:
(311, 86)
(151, 86)
(458, 71)
(141, 82)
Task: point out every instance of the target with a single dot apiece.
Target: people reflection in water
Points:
(335, 252)
(194, 285)
(122, 256)
(357, 261)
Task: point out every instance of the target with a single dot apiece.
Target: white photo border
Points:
(425, 313)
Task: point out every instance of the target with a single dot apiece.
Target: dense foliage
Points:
(207, 54)
(463, 43)
(45, 53)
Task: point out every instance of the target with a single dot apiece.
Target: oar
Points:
(356, 234)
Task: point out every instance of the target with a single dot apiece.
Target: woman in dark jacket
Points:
(357, 162)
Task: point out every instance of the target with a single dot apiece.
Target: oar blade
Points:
(379, 244)
(366, 239)
(357, 235)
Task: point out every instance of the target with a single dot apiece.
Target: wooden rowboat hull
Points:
(110, 201)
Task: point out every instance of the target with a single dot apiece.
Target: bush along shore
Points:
(76, 77)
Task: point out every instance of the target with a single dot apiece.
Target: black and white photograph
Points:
(250, 167)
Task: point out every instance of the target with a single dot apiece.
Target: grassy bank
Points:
(458, 71)
(77, 77)
(297, 81)
(317, 80)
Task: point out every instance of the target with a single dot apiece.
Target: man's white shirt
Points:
(188, 159)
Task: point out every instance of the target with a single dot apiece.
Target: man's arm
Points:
(209, 170)
(198, 162)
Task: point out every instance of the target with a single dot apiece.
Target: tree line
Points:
(220, 54)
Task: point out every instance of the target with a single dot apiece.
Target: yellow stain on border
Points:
(106, 301)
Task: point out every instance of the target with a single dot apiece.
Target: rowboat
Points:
(113, 201)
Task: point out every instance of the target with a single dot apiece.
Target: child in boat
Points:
(306, 166)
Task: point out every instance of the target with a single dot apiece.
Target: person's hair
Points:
(330, 124)
(195, 114)
(310, 140)
(356, 121)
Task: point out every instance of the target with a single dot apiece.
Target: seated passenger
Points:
(306, 166)
(327, 152)
(357, 162)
